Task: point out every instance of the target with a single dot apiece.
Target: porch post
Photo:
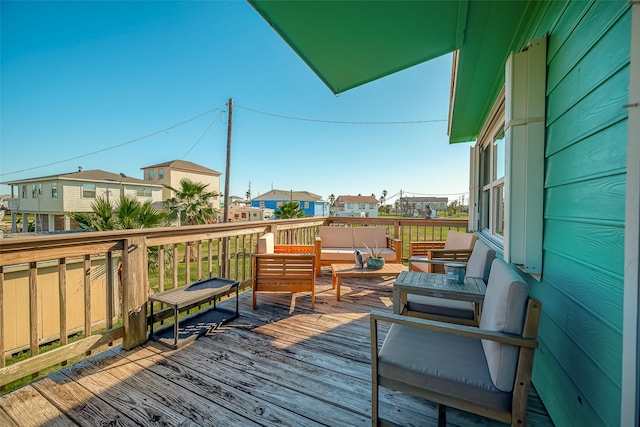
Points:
(134, 300)
(631, 321)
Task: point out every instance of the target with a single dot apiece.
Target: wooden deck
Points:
(282, 364)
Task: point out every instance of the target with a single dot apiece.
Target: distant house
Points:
(241, 213)
(311, 204)
(356, 207)
(49, 197)
(172, 172)
(415, 206)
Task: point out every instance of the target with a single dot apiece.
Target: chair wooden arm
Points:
(395, 245)
(452, 328)
(421, 248)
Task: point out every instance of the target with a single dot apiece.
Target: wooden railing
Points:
(94, 286)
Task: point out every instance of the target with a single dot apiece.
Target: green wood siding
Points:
(578, 367)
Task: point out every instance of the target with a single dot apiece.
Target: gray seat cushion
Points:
(444, 363)
(479, 264)
(440, 306)
(503, 310)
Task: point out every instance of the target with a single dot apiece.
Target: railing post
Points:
(134, 277)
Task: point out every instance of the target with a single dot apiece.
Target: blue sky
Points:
(81, 77)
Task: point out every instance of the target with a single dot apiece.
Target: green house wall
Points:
(578, 366)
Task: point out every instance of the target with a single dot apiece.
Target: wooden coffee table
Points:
(338, 271)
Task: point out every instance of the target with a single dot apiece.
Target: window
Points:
(150, 174)
(23, 192)
(160, 173)
(349, 205)
(361, 206)
(143, 192)
(492, 161)
(36, 190)
(261, 204)
(88, 191)
(372, 206)
(306, 205)
(54, 190)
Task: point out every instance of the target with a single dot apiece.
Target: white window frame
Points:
(483, 215)
(54, 190)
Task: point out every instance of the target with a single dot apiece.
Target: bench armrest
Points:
(451, 328)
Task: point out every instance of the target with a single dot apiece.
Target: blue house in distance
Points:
(311, 204)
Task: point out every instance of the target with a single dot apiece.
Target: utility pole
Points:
(228, 166)
(226, 250)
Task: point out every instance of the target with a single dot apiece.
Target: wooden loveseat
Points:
(338, 244)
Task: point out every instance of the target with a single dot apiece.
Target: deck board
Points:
(282, 364)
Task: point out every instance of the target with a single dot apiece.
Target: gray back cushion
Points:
(503, 311)
(479, 264)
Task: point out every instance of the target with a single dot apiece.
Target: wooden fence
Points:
(97, 283)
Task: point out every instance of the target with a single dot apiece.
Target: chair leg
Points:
(374, 404)
(442, 415)
(254, 298)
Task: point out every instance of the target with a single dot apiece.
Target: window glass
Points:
(498, 156)
(150, 174)
(24, 192)
(361, 206)
(143, 192)
(54, 190)
(160, 173)
(88, 191)
(498, 207)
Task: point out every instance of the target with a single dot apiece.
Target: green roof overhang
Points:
(350, 43)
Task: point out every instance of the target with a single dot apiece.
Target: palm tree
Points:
(128, 214)
(332, 201)
(289, 210)
(192, 204)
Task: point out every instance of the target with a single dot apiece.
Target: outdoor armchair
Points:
(283, 268)
(485, 370)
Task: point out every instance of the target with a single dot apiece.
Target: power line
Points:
(339, 121)
(202, 136)
(114, 146)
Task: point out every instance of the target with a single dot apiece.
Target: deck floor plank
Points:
(184, 402)
(26, 407)
(283, 364)
(122, 394)
(161, 362)
(80, 405)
